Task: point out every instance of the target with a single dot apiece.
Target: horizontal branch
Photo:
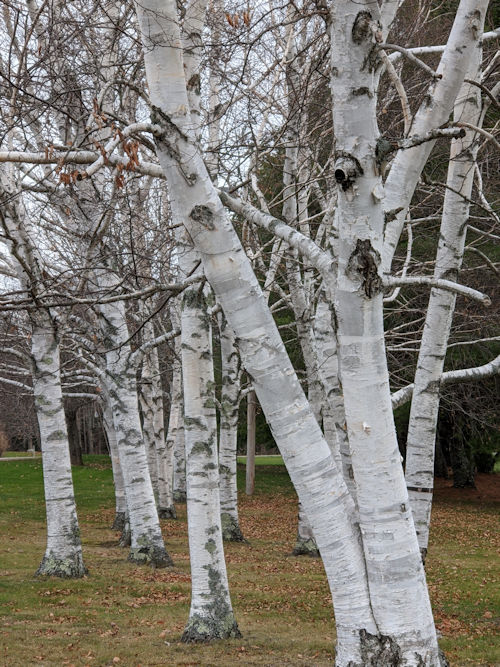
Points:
(428, 50)
(438, 283)
(413, 58)
(490, 369)
(69, 301)
(78, 157)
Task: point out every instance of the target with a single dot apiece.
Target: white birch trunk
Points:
(164, 450)
(211, 615)
(228, 433)
(334, 425)
(63, 554)
(120, 500)
(175, 436)
(194, 202)
(425, 400)
(147, 544)
(148, 419)
(398, 591)
(434, 111)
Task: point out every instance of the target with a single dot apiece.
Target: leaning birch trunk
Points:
(63, 554)
(120, 500)
(425, 399)
(147, 544)
(228, 433)
(304, 543)
(195, 203)
(211, 615)
(398, 591)
(434, 111)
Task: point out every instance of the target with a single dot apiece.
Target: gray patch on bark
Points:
(357, 92)
(119, 522)
(377, 651)
(66, 568)
(217, 621)
(361, 27)
(179, 496)
(150, 554)
(167, 512)
(203, 215)
(365, 261)
(306, 547)
(231, 531)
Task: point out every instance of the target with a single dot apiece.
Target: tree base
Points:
(152, 555)
(200, 630)
(231, 531)
(126, 536)
(306, 548)
(65, 568)
(167, 512)
(119, 522)
(384, 651)
(180, 496)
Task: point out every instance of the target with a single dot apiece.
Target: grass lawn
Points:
(126, 615)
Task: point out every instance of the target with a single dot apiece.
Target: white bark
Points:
(63, 554)
(396, 577)
(194, 202)
(147, 544)
(211, 615)
(434, 112)
(228, 433)
(120, 499)
(425, 401)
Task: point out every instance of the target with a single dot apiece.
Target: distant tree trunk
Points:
(120, 499)
(250, 459)
(228, 434)
(425, 399)
(147, 545)
(75, 448)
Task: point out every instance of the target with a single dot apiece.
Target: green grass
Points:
(263, 460)
(282, 603)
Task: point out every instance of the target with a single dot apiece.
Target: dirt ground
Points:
(487, 489)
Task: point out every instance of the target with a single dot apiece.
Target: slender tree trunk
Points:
(63, 554)
(175, 437)
(231, 373)
(75, 449)
(211, 615)
(147, 544)
(425, 399)
(120, 499)
(250, 458)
